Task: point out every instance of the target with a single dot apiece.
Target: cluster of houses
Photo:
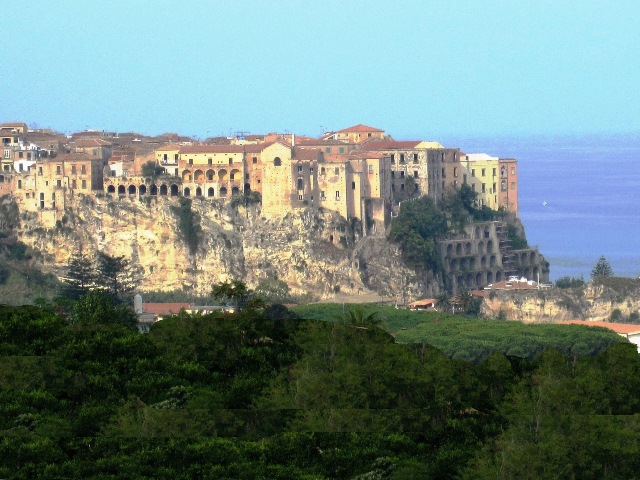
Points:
(359, 172)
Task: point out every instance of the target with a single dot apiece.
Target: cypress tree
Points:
(80, 278)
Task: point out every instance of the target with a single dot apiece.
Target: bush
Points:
(569, 282)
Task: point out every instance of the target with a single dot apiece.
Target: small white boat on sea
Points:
(544, 203)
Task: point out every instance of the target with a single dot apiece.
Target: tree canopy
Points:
(602, 269)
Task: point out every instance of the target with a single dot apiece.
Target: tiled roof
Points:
(390, 145)
(75, 157)
(91, 142)
(424, 302)
(164, 308)
(169, 147)
(332, 157)
(360, 128)
(248, 148)
(620, 328)
(305, 153)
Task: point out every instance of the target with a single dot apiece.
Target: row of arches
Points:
(470, 263)
(202, 176)
(173, 190)
(526, 258)
(478, 279)
(481, 232)
(467, 248)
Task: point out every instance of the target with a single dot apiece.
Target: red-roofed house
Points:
(357, 134)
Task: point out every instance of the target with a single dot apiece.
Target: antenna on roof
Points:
(240, 134)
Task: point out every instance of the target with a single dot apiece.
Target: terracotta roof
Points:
(426, 302)
(360, 128)
(169, 147)
(390, 145)
(164, 308)
(333, 157)
(74, 157)
(305, 153)
(91, 142)
(620, 328)
(13, 124)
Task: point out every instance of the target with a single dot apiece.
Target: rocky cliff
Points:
(603, 299)
(316, 253)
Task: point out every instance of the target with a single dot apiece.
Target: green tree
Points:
(234, 292)
(152, 169)
(115, 276)
(602, 269)
(272, 290)
(80, 278)
(98, 308)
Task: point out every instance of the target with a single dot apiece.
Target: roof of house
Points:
(74, 157)
(305, 153)
(476, 157)
(425, 302)
(248, 148)
(91, 142)
(620, 328)
(165, 308)
(391, 145)
(360, 128)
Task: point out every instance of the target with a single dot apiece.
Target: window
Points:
(255, 160)
(210, 161)
(455, 171)
(74, 184)
(299, 197)
(73, 169)
(473, 172)
(58, 183)
(322, 197)
(341, 149)
(20, 167)
(473, 187)
(58, 169)
(402, 158)
(300, 184)
(402, 174)
(277, 162)
(393, 174)
(327, 150)
(7, 154)
(39, 170)
(19, 183)
(455, 183)
(484, 188)
(393, 158)
(84, 184)
(83, 169)
(299, 168)
(402, 186)
(310, 169)
(503, 185)
(353, 185)
(464, 178)
(494, 172)
(20, 154)
(370, 168)
(415, 158)
(337, 171)
(337, 195)
(493, 190)
(513, 185)
(165, 157)
(191, 161)
(513, 170)
(230, 161)
(415, 174)
(321, 170)
(483, 172)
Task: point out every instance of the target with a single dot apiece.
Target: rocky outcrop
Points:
(617, 298)
(309, 250)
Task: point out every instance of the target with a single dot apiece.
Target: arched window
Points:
(187, 192)
(198, 192)
(121, 190)
(277, 162)
(111, 189)
(210, 192)
(154, 189)
(211, 175)
(174, 190)
(132, 190)
(223, 192)
(142, 189)
(163, 189)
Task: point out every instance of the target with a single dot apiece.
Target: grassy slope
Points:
(473, 339)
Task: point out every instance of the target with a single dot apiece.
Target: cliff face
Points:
(314, 252)
(595, 301)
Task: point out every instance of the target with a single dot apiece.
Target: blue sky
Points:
(418, 69)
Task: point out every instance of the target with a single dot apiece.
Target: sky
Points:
(417, 69)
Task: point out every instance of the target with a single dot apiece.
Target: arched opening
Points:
(468, 248)
(247, 188)
(186, 176)
(483, 262)
(1, 178)
(153, 190)
(277, 162)
(235, 174)
(174, 190)
(532, 257)
(499, 276)
(121, 190)
(223, 192)
(187, 192)
(111, 189)
(459, 249)
(198, 175)
(163, 189)
(198, 192)
(235, 191)
(132, 190)
(527, 273)
(492, 261)
(489, 246)
(222, 175)
(210, 192)
(478, 279)
(535, 273)
(523, 258)
(142, 189)
(489, 277)
(469, 280)
(463, 264)
(454, 264)
(449, 250)
(472, 263)
(211, 175)
(486, 232)
(481, 247)
(478, 232)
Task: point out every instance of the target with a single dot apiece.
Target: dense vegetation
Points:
(265, 395)
(421, 223)
(188, 224)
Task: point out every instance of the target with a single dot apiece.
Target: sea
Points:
(579, 197)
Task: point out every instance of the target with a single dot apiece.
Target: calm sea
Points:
(591, 186)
